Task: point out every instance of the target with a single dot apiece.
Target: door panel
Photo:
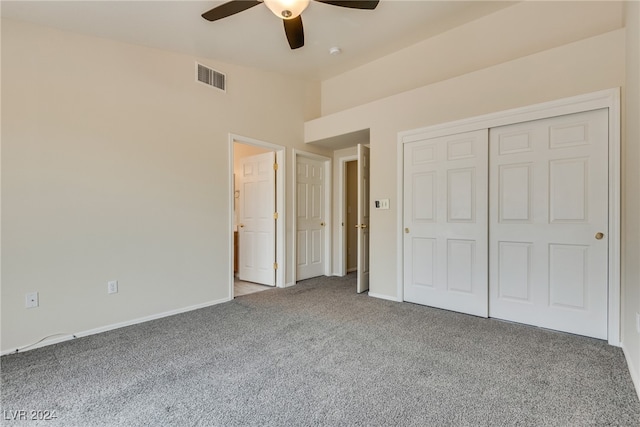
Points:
(549, 198)
(445, 219)
(460, 265)
(351, 233)
(257, 224)
(514, 280)
(363, 218)
(310, 184)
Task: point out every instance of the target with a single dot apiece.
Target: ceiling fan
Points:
(288, 10)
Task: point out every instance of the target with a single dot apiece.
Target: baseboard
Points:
(288, 285)
(67, 337)
(632, 370)
(58, 339)
(387, 297)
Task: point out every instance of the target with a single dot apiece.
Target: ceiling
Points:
(255, 37)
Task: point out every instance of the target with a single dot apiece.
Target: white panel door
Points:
(257, 231)
(363, 218)
(549, 201)
(445, 220)
(311, 221)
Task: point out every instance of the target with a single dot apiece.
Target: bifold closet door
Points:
(445, 222)
(548, 223)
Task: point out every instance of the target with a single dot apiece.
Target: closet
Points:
(511, 222)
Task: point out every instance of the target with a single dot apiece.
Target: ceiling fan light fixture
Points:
(287, 9)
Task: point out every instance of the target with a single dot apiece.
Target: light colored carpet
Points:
(320, 354)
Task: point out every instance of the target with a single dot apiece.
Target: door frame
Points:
(327, 210)
(280, 206)
(610, 99)
(342, 207)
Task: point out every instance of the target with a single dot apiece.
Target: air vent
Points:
(211, 77)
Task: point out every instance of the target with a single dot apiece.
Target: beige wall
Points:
(631, 196)
(115, 166)
(514, 32)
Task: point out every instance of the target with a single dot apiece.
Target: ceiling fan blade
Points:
(294, 31)
(353, 4)
(229, 8)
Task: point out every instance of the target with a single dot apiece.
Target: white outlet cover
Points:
(112, 286)
(31, 300)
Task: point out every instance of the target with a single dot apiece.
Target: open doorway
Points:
(353, 196)
(257, 231)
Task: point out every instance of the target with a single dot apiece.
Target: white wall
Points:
(513, 32)
(115, 167)
(631, 192)
(585, 66)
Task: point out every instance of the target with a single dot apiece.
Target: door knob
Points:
(364, 226)
(406, 230)
(322, 224)
(357, 225)
(599, 236)
(241, 225)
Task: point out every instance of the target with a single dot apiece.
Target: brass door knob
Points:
(406, 230)
(599, 236)
(322, 224)
(241, 225)
(364, 226)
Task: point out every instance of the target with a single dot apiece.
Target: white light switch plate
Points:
(382, 204)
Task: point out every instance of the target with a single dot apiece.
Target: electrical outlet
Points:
(112, 286)
(638, 322)
(31, 300)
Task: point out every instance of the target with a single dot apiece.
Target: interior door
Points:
(311, 221)
(363, 218)
(445, 220)
(257, 225)
(549, 217)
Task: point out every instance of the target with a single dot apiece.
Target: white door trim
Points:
(609, 99)
(280, 206)
(327, 208)
(342, 207)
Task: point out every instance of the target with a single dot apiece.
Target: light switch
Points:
(382, 204)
